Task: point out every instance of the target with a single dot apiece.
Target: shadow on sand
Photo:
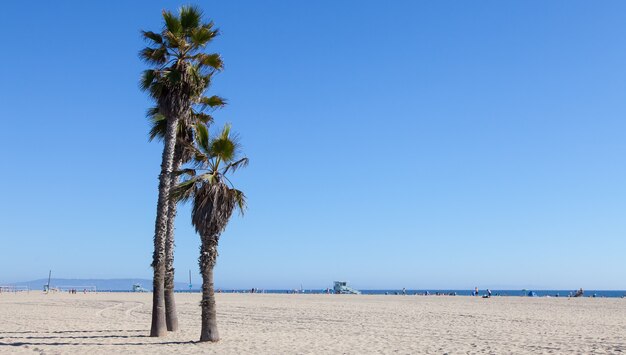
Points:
(20, 343)
(75, 336)
(74, 331)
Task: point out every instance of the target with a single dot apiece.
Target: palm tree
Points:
(180, 73)
(214, 199)
(184, 137)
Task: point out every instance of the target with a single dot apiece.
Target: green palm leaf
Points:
(201, 36)
(202, 137)
(147, 78)
(172, 23)
(190, 17)
(183, 191)
(223, 148)
(240, 200)
(159, 125)
(202, 117)
(232, 167)
(154, 55)
(210, 60)
(154, 37)
(212, 102)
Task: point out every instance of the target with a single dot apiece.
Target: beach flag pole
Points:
(48, 286)
(190, 279)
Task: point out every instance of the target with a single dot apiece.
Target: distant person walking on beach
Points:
(476, 291)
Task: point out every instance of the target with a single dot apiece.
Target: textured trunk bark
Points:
(209, 319)
(171, 317)
(158, 327)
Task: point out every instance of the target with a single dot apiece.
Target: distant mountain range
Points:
(101, 284)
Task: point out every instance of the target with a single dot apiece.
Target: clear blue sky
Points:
(440, 144)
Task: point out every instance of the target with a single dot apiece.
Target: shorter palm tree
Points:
(214, 200)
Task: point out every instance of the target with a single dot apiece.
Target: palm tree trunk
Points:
(208, 256)
(171, 318)
(158, 327)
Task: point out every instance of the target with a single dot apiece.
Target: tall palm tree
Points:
(214, 199)
(184, 137)
(180, 73)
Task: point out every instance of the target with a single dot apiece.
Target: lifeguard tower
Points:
(138, 288)
(342, 288)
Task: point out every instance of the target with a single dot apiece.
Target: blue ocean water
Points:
(539, 293)
(432, 292)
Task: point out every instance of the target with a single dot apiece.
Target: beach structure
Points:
(341, 287)
(138, 288)
(46, 288)
(13, 288)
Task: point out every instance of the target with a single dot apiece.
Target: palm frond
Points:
(202, 138)
(152, 36)
(209, 178)
(223, 148)
(158, 128)
(172, 23)
(173, 76)
(212, 102)
(152, 111)
(240, 200)
(196, 78)
(202, 117)
(183, 191)
(156, 56)
(174, 41)
(225, 131)
(190, 17)
(187, 172)
(156, 88)
(147, 78)
(201, 36)
(200, 159)
(209, 60)
(232, 167)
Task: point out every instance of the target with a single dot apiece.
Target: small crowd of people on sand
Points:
(404, 292)
(73, 291)
(252, 290)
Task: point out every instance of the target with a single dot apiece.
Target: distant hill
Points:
(101, 284)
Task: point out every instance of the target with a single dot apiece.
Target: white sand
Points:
(315, 324)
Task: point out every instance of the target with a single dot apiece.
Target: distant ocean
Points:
(539, 293)
(125, 285)
(434, 292)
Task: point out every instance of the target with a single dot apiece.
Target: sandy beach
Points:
(107, 323)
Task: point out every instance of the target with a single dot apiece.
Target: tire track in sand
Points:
(129, 312)
(109, 308)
